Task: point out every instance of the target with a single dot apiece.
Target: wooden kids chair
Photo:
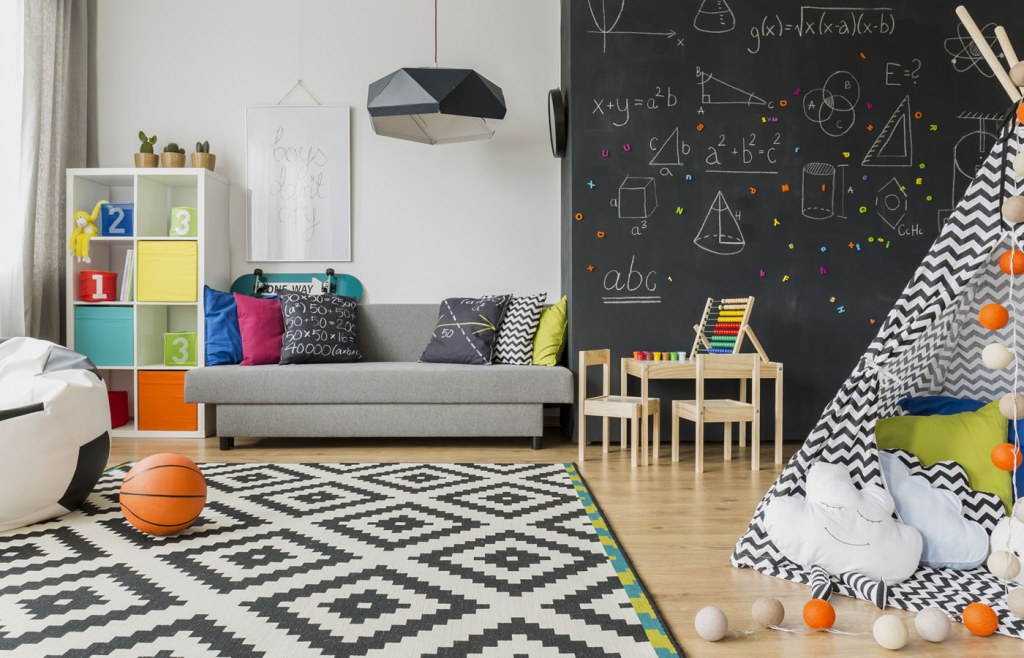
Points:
(703, 410)
(612, 406)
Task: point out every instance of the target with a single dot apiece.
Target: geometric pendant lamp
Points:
(435, 105)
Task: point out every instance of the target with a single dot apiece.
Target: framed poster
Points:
(298, 183)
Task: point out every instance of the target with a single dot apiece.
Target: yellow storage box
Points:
(167, 271)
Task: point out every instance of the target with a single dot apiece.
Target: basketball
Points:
(163, 494)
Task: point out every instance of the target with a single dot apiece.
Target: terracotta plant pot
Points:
(204, 160)
(146, 160)
(168, 159)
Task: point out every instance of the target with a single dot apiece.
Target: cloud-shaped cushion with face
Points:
(950, 540)
(841, 528)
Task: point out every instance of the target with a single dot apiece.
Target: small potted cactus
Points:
(173, 156)
(145, 157)
(202, 157)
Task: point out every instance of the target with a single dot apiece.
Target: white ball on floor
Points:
(1017, 74)
(890, 632)
(1013, 209)
(1012, 406)
(932, 624)
(711, 624)
(1003, 564)
(768, 611)
(996, 356)
(1018, 164)
(1015, 601)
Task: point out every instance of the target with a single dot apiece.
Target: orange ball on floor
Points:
(980, 619)
(819, 614)
(1006, 457)
(163, 494)
(1012, 262)
(993, 316)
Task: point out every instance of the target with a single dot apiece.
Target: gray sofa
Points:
(387, 394)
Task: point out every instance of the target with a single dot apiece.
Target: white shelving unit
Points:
(153, 192)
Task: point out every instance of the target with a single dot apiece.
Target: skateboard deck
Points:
(312, 284)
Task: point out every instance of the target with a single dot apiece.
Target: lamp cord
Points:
(435, 34)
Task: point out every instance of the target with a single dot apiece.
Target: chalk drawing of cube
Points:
(638, 197)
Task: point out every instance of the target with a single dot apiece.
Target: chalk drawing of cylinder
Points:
(818, 200)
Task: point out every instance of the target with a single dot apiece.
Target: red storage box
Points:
(118, 408)
(97, 286)
(162, 403)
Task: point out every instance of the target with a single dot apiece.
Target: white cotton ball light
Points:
(1012, 406)
(1013, 209)
(890, 632)
(1018, 164)
(932, 624)
(1018, 510)
(996, 356)
(1017, 74)
(711, 624)
(1003, 564)
(1015, 601)
(768, 611)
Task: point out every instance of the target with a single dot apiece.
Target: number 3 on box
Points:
(182, 355)
(183, 218)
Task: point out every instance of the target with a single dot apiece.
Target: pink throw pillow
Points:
(261, 324)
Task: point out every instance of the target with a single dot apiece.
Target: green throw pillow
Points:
(966, 438)
(550, 338)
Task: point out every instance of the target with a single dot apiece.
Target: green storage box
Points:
(180, 349)
(184, 222)
(105, 334)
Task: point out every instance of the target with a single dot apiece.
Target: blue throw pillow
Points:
(223, 339)
(939, 405)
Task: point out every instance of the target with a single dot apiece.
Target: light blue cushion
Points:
(223, 339)
(950, 540)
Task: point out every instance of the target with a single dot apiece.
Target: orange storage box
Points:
(162, 403)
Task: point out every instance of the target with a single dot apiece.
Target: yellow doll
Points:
(85, 229)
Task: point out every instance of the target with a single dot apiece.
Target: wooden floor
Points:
(678, 529)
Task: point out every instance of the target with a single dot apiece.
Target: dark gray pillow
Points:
(466, 330)
(318, 328)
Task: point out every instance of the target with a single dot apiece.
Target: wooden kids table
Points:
(648, 370)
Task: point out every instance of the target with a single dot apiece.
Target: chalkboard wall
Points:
(805, 155)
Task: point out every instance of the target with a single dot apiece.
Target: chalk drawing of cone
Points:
(714, 17)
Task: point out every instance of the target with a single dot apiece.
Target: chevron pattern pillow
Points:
(515, 335)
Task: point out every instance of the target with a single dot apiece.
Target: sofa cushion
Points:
(466, 330)
(318, 328)
(378, 382)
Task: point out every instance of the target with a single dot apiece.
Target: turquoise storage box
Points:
(105, 334)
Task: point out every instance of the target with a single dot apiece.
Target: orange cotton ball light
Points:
(1012, 262)
(980, 619)
(993, 316)
(1006, 457)
(819, 614)
(1020, 113)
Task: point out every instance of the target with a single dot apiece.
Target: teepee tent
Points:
(930, 344)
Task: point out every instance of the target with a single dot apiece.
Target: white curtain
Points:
(53, 138)
(12, 284)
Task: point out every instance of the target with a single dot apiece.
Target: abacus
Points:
(723, 326)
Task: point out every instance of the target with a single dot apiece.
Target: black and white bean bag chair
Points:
(54, 430)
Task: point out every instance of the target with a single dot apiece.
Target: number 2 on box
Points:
(115, 226)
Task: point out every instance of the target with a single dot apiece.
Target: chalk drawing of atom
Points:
(965, 53)
(833, 105)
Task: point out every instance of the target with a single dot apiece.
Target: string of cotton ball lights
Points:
(889, 631)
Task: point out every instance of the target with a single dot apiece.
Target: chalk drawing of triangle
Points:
(894, 146)
(668, 154)
(718, 92)
(720, 233)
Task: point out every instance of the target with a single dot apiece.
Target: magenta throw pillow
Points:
(261, 324)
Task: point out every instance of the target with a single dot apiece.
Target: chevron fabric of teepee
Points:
(930, 344)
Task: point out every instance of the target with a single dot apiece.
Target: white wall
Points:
(428, 221)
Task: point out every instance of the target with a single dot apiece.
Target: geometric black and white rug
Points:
(381, 560)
